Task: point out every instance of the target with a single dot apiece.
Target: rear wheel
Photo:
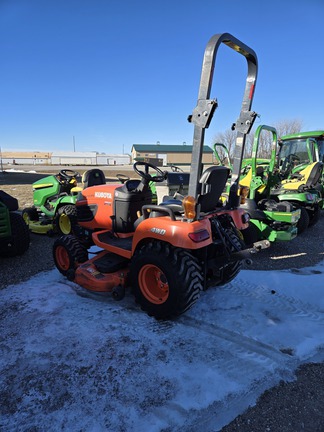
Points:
(20, 237)
(314, 216)
(230, 271)
(166, 281)
(303, 222)
(68, 252)
(66, 219)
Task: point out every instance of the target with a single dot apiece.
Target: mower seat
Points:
(93, 177)
(307, 178)
(213, 182)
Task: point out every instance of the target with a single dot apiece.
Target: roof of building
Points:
(160, 148)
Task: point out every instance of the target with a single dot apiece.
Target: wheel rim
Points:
(153, 284)
(26, 218)
(62, 258)
(65, 224)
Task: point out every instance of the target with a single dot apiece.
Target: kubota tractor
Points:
(166, 253)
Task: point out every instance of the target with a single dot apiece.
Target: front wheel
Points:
(30, 214)
(166, 281)
(68, 252)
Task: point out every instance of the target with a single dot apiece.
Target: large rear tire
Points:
(68, 252)
(166, 281)
(65, 219)
(314, 216)
(303, 222)
(20, 237)
(230, 271)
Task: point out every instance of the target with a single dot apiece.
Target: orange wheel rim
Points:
(153, 284)
(62, 258)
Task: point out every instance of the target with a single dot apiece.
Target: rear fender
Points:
(67, 199)
(174, 232)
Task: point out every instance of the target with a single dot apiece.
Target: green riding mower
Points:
(271, 220)
(54, 204)
(300, 161)
(301, 177)
(14, 234)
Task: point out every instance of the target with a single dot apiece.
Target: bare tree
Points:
(287, 127)
(283, 127)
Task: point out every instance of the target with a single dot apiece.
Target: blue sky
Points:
(112, 73)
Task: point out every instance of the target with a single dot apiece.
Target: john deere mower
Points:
(272, 220)
(300, 163)
(54, 204)
(166, 253)
(14, 234)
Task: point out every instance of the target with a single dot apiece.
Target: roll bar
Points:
(203, 113)
(256, 147)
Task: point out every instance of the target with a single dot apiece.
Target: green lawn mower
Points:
(14, 234)
(301, 172)
(54, 204)
(272, 220)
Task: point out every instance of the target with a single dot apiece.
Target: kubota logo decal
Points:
(158, 231)
(102, 195)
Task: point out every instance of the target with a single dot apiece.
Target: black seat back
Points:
(93, 177)
(315, 174)
(213, 182)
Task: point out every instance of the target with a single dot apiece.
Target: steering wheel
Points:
(174, 168)
(161, 175)
(289, 162)
(68, 174)
(122, 178)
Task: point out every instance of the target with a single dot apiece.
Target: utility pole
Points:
(1, 159)
(73, 144)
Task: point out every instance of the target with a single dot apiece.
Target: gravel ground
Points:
(289, 407)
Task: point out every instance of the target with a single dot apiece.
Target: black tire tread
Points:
(75, 249)
(185, 283)
(20, 236)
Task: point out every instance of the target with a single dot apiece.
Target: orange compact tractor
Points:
(167, 253)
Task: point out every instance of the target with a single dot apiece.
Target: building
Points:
(74, 158)
(113, 159)
(64, 158)
(168, 154)
(26, 158)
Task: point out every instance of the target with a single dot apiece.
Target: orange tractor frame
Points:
(166, 253)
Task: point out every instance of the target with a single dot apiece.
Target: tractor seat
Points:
(315, 174)
(93, 177)
(212, 184)
(307, 178)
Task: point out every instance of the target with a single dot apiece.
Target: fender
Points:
(177, 233)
